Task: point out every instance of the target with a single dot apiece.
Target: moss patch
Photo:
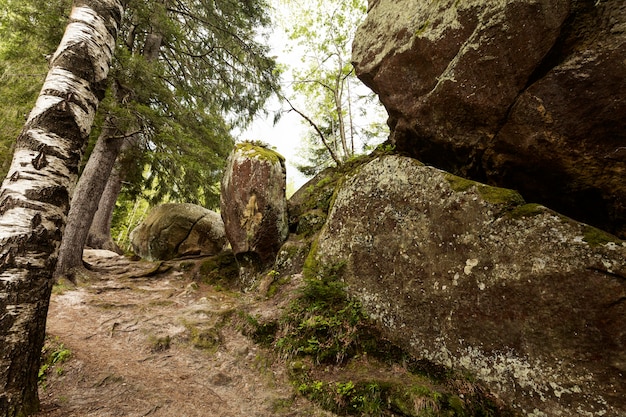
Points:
(597, 237)
(527, 210)
(494, 195)
(260, 151)
(221, 269)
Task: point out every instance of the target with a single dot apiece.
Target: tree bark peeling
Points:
(63, 88)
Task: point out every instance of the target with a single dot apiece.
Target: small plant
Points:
(159, 344)
(323, 322)
(53, 354)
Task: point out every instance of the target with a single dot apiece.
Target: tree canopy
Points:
(29, 33)
(212, 73)
(341, 112)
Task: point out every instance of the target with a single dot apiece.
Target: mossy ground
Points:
(338, 359)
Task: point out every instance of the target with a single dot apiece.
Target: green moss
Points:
(62, 285)
(260, 151)
(203, 338)
(494, 195)
(159, 343)
(276, 285)
(597, 237)
(311, 264)
(497, 195)
(221, 269)
(459, 184)
(311, 222)
(526, 210)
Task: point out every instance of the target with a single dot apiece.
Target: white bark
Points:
(34, 198)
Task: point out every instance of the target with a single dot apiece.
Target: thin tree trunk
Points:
(99, 236)
(34, 198)
(91, 186)
(85, 200)
(337, 95)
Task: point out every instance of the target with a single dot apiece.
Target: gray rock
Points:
(471, 277)
(523, 94)
(173, 230)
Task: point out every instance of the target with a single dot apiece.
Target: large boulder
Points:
(174, 230)
(253, 204)
(526, 94)
(471, 277)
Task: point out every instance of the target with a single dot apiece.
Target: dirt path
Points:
(160, 346)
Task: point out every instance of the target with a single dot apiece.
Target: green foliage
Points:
(322, 323)
(344, 116)
(53, 354)
(29, 32)
(392, 397)
(212, 73)
(263, 333)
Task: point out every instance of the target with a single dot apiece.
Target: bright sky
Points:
(287, 135)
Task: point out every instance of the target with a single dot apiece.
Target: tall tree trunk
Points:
(86, 198)
(34, 198)
(99, 236)
(92, 183)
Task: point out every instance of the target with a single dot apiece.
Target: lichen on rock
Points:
(253, 204)
(513, 293)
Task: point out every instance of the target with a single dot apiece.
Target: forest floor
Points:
(145, 339)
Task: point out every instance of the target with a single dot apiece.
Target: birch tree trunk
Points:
(34, 198)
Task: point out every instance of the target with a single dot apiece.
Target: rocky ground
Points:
(145, 339)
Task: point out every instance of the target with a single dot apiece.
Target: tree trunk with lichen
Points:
(34, 198)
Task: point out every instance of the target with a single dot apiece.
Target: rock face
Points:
(468, 276)
(526, 94)
(253, 203)
(174, 230)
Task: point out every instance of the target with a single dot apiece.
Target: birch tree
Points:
(23, 64)
(191, 69)
(34, 197)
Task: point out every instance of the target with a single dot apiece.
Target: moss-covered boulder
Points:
(471, 277)
(253, 204)
(526, 94)
(173, 230)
